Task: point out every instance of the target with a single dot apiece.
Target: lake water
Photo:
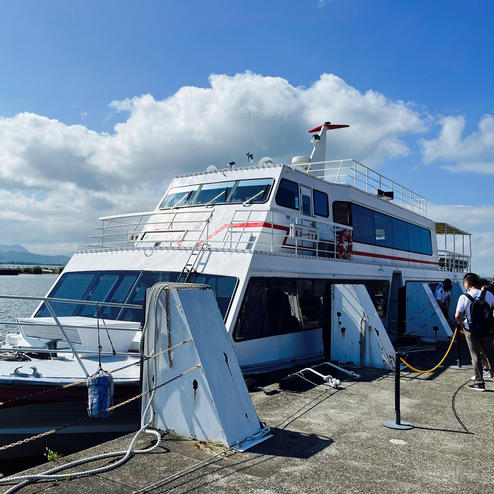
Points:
(31, 285)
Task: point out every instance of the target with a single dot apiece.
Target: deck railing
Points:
(256, 230)
(52, 329)
(352, 172)
(452, 261)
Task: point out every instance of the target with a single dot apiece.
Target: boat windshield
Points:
(179, 196)
(123, 287)
(239, 191)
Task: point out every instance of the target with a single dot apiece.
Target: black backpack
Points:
(481, 321)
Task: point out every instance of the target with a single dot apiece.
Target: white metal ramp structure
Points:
(357, 333)
(195, 385)
(425, 318)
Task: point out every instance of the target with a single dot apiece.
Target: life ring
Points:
(345, 245)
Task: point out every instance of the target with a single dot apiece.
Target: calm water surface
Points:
(31, 285)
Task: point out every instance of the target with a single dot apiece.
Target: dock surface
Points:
(325, 440)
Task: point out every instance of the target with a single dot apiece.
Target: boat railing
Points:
(270, 231)
(245, 229)
(453, 261)
(150, 228)
(352, 172)
(53, 329)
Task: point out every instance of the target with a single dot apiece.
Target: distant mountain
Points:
(13, 248)
(17, 254)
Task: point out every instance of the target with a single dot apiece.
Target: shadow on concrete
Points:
(292, 444)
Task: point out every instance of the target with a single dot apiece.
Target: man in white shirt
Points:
(443, 296)
(471, 283)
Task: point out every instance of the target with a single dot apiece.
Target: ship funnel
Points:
(319, 140)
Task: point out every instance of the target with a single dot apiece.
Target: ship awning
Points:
(446, 229)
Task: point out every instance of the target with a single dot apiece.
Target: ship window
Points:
(384, 229)
(123, 287)
(375, 228)
(400, 231)
(363, 225)
(179, 196)
(321, 207)
(257, 190)
(216, 193)
(274, 306)
(342, 213)
(280, 306)
(287, 195)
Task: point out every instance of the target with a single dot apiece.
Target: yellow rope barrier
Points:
(442, 360)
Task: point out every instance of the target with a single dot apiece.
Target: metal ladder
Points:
(194, 255)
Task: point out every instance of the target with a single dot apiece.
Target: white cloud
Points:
(472, 153)
(476, 220)
(56, 179)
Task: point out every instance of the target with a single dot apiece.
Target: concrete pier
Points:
(327, 440)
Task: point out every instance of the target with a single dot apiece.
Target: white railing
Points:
(54, 328)
(452, 261)
(351, 172)
(256, 230)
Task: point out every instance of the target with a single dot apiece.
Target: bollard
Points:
(458, 365)
(397, 423)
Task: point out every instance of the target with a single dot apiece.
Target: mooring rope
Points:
(440, 362)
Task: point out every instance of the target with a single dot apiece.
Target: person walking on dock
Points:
(474, 315)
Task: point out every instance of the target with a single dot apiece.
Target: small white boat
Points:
(269, 239)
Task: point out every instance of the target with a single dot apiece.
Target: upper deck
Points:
(335, 210)
(356, 174)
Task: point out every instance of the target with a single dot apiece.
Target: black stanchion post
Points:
(458, 365)
(397, 423)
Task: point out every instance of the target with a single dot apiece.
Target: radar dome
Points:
(265, 161)
(211, 168)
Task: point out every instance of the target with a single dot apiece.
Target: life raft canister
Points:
(345, 244)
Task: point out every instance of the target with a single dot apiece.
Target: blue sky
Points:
(424, 69)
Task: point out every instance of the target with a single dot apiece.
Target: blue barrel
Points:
(100, 394)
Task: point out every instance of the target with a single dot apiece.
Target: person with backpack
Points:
(474, 314)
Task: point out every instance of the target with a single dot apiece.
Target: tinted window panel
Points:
(214, 193)
(179, 196)
(414, 238)
(342, 213)
(247, 189)
(400, 234)
(321, 207)
(363, 225)
(384, 229)
(287, 194)
(426, 241)
(123, 287)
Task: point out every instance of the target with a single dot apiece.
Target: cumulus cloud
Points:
(458, 153)
(476, 220)
(55, 179)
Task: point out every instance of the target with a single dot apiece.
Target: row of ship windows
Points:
(369, 226)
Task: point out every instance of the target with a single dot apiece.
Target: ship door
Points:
(306, 201)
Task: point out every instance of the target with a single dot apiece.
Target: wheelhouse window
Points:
(123, 287)
(179, 196)
(216, 193)
(237, 191)
(376, 228)
(256, 190)
(321, 207)
(287, 195)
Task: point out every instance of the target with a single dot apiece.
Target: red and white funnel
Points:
(319, 140)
